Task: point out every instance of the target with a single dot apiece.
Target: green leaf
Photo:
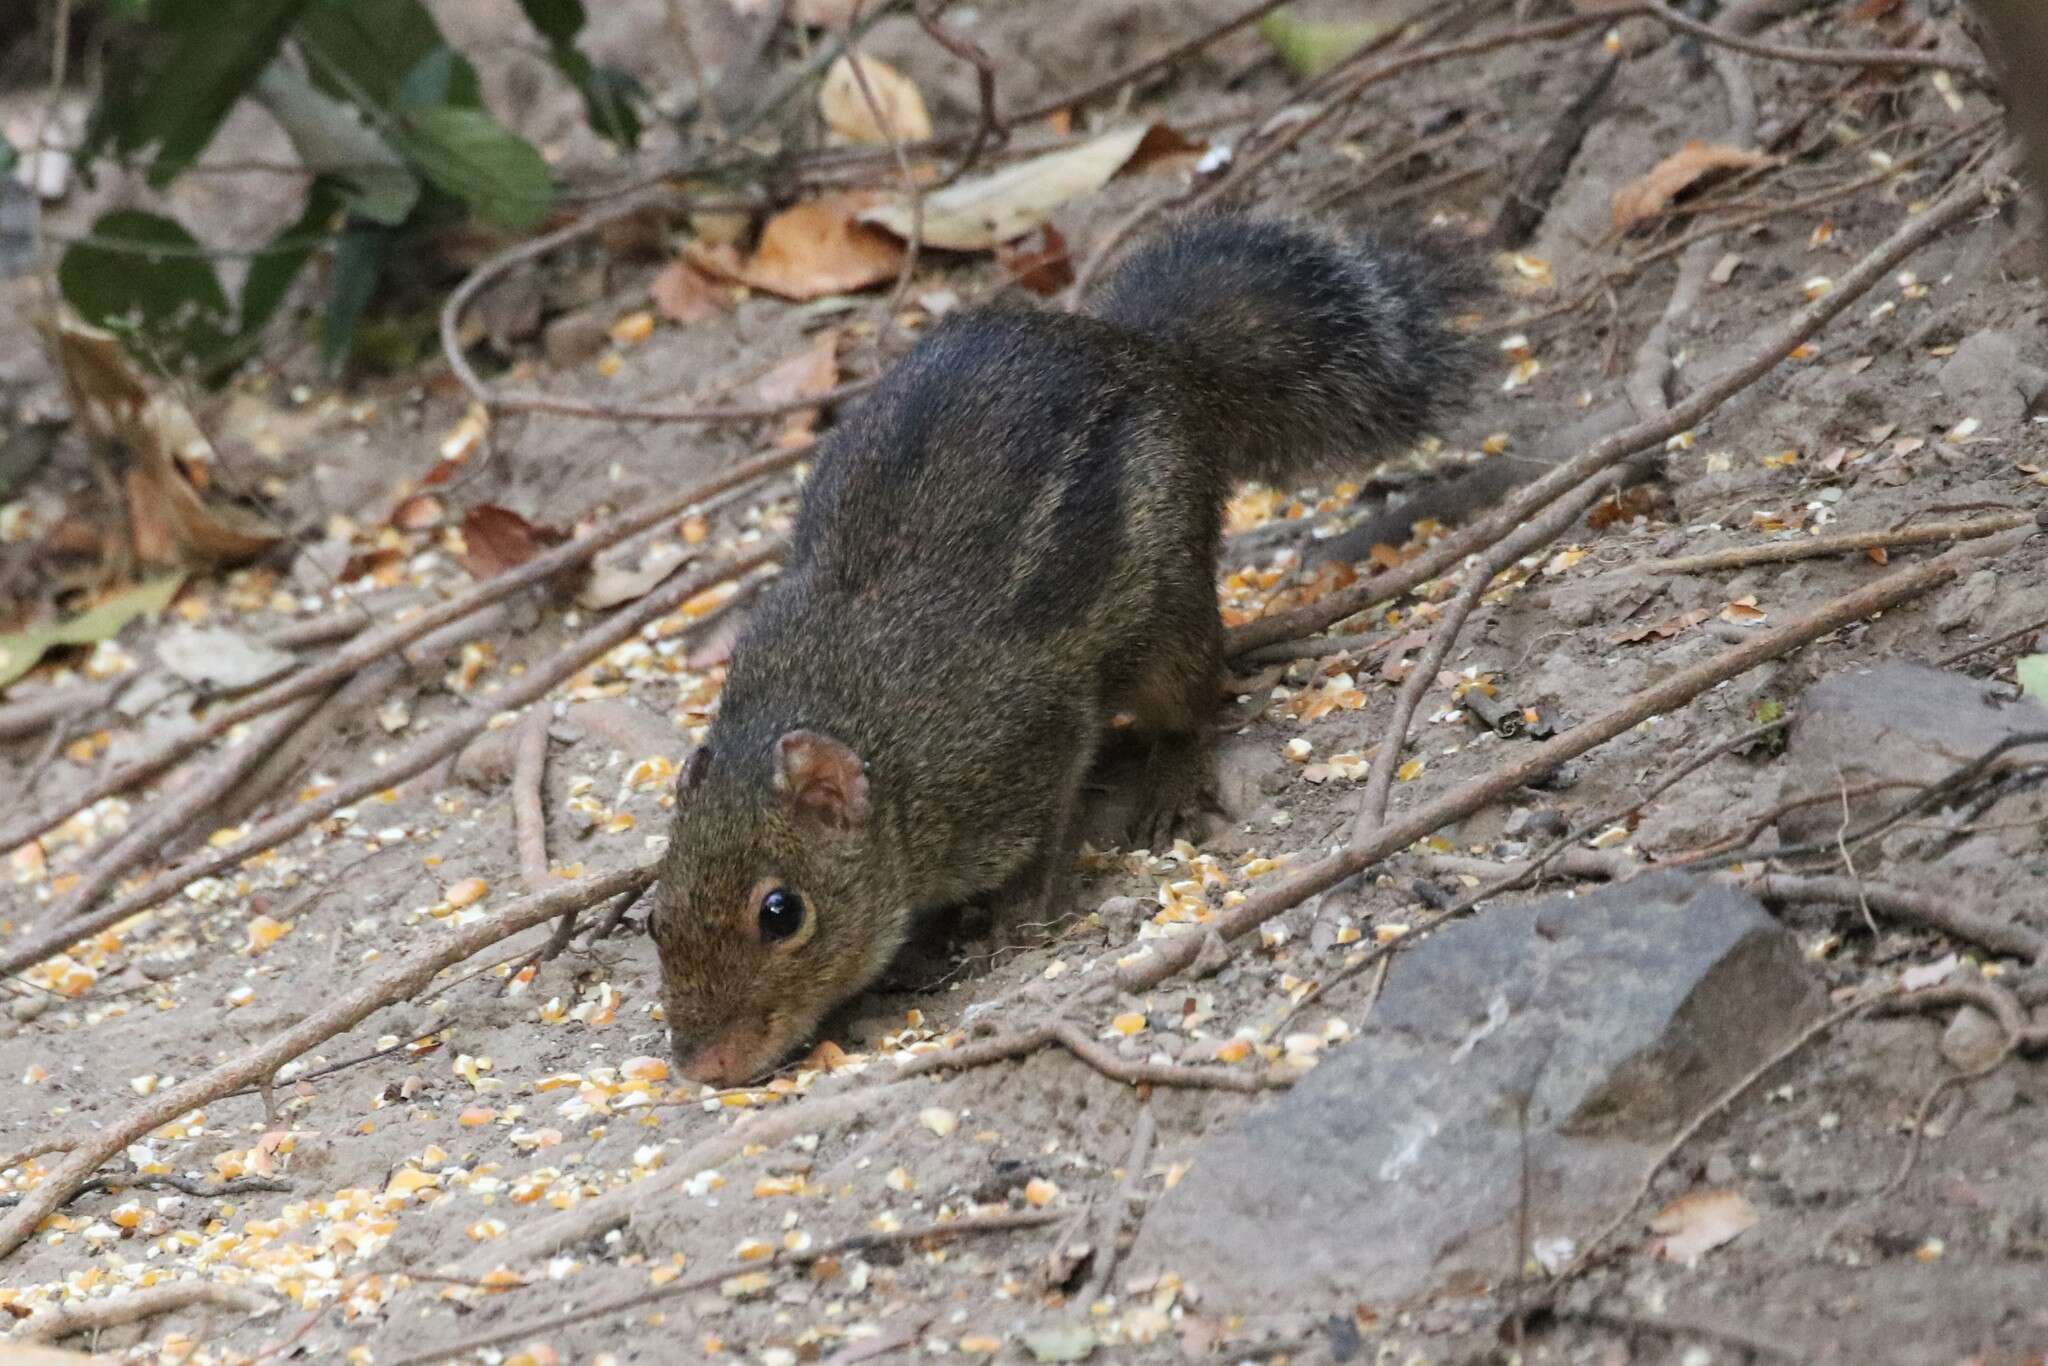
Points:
(271, 274)
(8, 156)
(358, 266)
(190, 61)
(144, 278)
(608, 93)
(20, 650)
(1309, 49)
(365, 50)
(481, 162)
(2033, 675)
(332, 140)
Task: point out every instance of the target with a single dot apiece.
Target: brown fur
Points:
(1013, 538)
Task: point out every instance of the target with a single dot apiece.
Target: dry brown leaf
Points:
(982, 212)
(1663, 630)
(809, 251)
(172, 522)
(807, 374)
(1045, 269)
(1694, 1225)
(496, 539)
(683, 294)
(1650, 194)
(846, 111)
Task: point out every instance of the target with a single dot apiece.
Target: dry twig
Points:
(1684, 1136)
(93, 1316)
(403, 979)
(1815, 547)
(427, 751)
(1171, 955)
(378, 643)
(529, 822)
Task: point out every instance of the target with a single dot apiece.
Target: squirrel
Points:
(1012, 539)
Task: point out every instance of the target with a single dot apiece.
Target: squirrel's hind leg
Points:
(1172, 708)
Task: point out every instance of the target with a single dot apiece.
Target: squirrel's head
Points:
(762, 917)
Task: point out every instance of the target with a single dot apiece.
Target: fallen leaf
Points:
(19, 650)
(1663, 630)
(1696, 1224)
(1308, 49)
(851, 118)
(216, 658)
(2032, 672)
(982, 212)
(683, 294)
(496, 539)
(807, 374)
(1043, 270)
(811, 250)
(612, 583)
(172, 522)
(1650, 194)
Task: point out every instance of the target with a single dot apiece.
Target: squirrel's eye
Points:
(782, 914)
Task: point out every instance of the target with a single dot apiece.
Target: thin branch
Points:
(816, 1114)
(1109, 85)
(1940, 913)
(161, 822)
(1816, 547)
(416, 758)
(405, 978)
(1813, 56)
(529, 822)
(93, 1316)
(987, 123)
(1526, 539)
(1791, 1049)
(379, 642)
(913, 246)
(1171, 955)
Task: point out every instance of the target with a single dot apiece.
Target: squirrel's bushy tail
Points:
(1310, 353)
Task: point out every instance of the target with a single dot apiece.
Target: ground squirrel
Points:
(1013, 538)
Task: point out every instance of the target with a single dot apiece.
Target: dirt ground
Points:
(492, 1101)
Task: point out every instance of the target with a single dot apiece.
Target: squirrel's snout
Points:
(732, 1059)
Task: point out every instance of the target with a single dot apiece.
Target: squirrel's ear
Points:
(694, 769)
(821, 779)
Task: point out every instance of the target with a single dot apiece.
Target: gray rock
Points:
(1988, 379)
(1903, 723)
(1962, 605)
(1973, 1040)
(1608, 1020)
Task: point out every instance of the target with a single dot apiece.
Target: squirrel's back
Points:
(1011, 540)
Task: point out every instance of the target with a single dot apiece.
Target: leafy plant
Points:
(389, 118)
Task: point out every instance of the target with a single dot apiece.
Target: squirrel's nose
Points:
(724, 1063)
